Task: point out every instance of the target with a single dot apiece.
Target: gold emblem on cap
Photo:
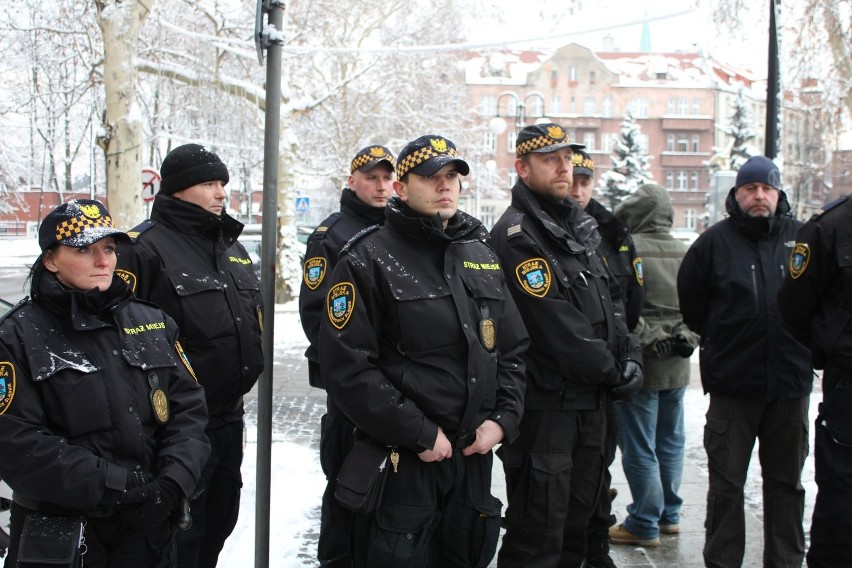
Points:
(488, 333)
(377, 151)
(160, 404)
(555, 132)
(91, 211)
(439, 144)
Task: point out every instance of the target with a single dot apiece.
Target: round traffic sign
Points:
(150, 184)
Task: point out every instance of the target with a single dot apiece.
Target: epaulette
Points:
(358, 236)
(139, 229)
(828, 207)
(514, 225)
(321, 231)
(22, 302)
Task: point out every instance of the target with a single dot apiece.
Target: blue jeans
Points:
(651, 439)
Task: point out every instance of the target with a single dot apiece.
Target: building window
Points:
(684, 106)
(572, 72)
(669, 180)
(489, 141)
(510, 141)
(695, 143)
(639, 107)
(554, 75)
(488, 106)
(693, 180)
(589, 106)
(511, 106)
(672, 105)
(670, 142)
(681, 180)
(606, 107)
(555, 104)
(682, 144)
(591, 78)
(696, 106)
(513, 177)
(487, 215)
(536, 108)
(689, 219)
(606, 143)
(589, 141)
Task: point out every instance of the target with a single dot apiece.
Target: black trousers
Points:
(439, 514)
(602, 518)
(216, 503)
(108, 543)
(336, 439)
(553, 477)
(831, 526)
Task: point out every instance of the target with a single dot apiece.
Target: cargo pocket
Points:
(549, 490)
(485, 531)
(400, 538)
(717, 455)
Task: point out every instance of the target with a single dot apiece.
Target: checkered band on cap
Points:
(76, 225)
(551, 135)
(578, 160)
(371, 154)
(423, 154)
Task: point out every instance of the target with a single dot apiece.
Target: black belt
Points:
(51, 509)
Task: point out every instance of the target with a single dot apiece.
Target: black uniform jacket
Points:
(728, 285)
(420, 328)
(188, 261)
(565, 294)
(324, 245)
(816, 297)
(80, 366)
(619, 254)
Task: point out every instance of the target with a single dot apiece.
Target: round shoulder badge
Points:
(340, 303)
(799, 259)
(7, 385)
(534, 276)
(314, 273)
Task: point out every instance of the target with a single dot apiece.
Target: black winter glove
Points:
(629, 383)
(149, 506)
(664, 346)
(681, 346)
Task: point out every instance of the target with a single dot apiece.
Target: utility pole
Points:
(773, 88)
(267, 37)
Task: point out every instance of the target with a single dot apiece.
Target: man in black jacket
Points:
(362, 205)
(186, 259)
(757, 374)
(619, 253)
(421, 348)
(816, 302)
(580, 347)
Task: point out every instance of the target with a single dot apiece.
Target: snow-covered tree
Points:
(740, 132)
(630, 162)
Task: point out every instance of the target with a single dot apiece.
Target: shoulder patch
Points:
(534, 276)
(314, 272)
(128, 277)
(637, 269)
(513, 230)
(7, 385)
(182, 355)
(358, 236)
(139, 229)
(340, 302)
(799, 259)
(321, 231)
(828, 207)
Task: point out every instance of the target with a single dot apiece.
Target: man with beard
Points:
(758, 375)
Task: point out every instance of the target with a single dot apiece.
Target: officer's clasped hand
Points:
(149, 506)
(630, 382)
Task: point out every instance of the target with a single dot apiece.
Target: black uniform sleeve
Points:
(802, 290)
(349, 351)
(555, 325)
(139, 269)
(694, 285)
(513, 340)
(182, 445)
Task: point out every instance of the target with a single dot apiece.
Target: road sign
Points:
(303, 204)
(150, 184)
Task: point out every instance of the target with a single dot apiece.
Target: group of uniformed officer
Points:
(437, 341)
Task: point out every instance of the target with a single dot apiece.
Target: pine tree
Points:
(740, 131)
(629, 164)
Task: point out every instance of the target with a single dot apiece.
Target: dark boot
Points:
(597, 552)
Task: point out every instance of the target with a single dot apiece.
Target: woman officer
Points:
(101, 419)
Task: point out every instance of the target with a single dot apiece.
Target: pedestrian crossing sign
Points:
(303, 204)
